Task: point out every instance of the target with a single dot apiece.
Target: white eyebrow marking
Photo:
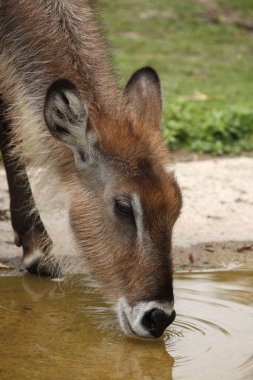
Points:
(138, 213)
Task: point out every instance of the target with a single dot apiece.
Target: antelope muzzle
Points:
(145, 319)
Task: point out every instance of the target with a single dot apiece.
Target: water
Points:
(67, 331)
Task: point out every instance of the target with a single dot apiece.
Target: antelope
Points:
(62, 111)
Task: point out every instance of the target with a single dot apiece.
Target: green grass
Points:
(204, 58)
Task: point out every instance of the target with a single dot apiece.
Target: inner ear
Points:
(143, 95)
(66, 116)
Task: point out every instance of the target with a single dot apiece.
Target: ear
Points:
(66, 117)
(143, 93)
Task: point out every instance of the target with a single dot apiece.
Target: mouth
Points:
(146, 320)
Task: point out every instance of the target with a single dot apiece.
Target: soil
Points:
(215, 229)
(213, 256)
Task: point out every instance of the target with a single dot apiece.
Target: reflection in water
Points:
(67, 330)
(53, 329)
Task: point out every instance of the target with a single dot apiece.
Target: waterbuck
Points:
(62, 113)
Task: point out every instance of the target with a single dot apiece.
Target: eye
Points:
(123, 207)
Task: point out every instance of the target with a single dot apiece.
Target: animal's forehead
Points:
(156, 190)
(160, 201)
(135, 143)
(139, 158)
(152, 184)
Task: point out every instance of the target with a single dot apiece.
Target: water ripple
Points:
(212, 334)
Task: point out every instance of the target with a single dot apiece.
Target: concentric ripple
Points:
(212, 337)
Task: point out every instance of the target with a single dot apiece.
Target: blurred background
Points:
(203, 51)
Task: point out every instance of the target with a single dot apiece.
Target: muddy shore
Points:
(215, 229)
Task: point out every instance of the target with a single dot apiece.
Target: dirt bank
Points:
(208, 256)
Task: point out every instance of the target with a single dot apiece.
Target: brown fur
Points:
(41, 41)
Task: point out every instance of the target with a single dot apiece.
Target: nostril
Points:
(156, 321)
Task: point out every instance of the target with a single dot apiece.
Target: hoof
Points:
(42, 266)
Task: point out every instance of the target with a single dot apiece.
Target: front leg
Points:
(29, 230)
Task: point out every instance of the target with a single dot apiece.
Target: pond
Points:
(66, 330)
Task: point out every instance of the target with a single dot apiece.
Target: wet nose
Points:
(156, 321)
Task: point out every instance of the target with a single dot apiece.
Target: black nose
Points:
(156, 321)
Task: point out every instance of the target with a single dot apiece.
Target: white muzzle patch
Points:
(131, 318)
